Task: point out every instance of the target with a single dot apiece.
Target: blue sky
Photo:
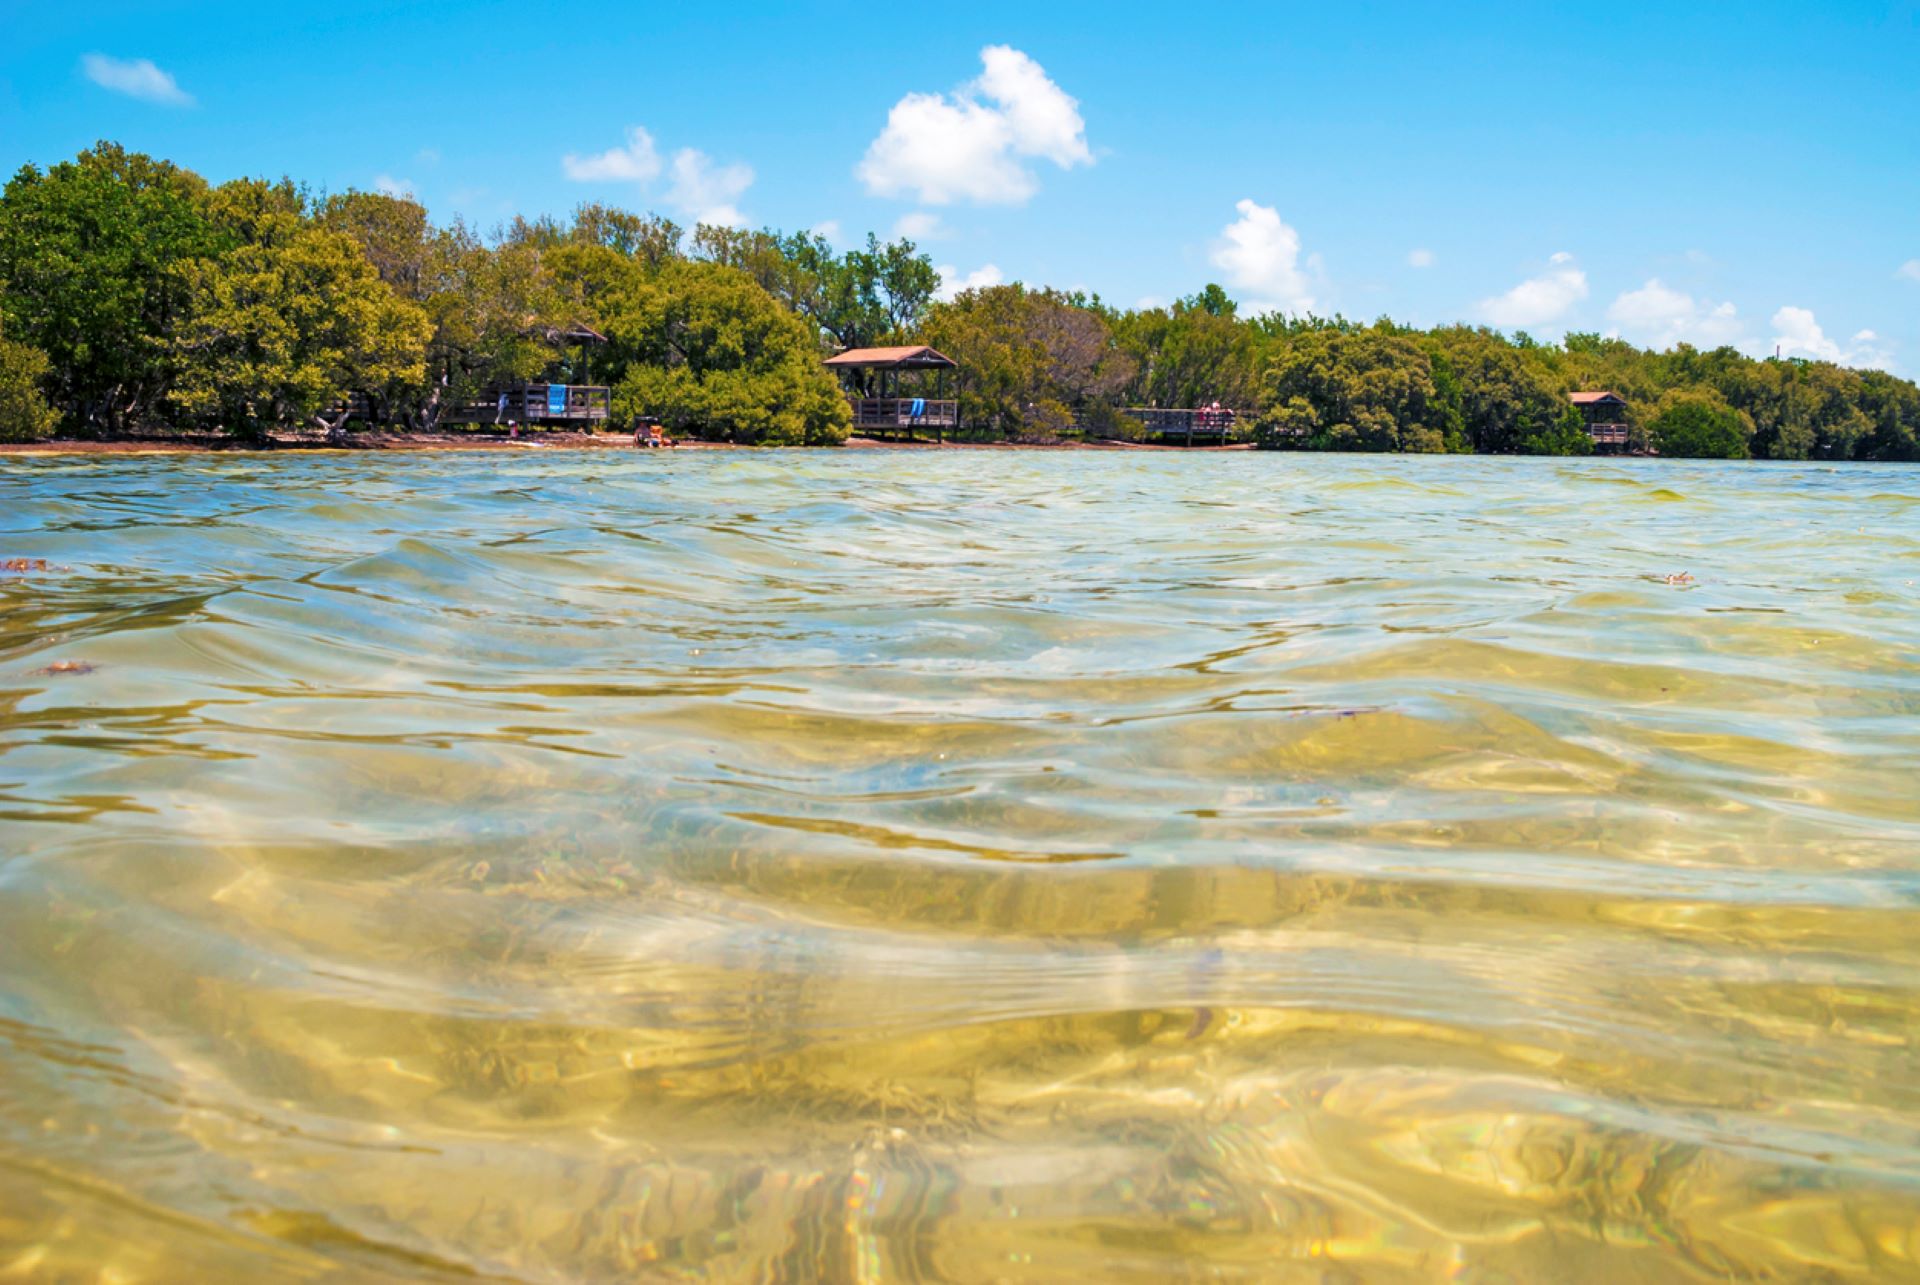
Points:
(1710, 173)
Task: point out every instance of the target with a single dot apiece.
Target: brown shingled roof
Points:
(907, 357)
(1594, 399)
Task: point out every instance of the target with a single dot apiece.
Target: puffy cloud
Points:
(953, 284)
(1539, 299)
(637, 162)
(706, 192)
(1420, 258)
(1800, 335)
(828, 230)
(698, 188)
(1910, 270)
(136, 78)
(1261, 254)
(398, 187)
(1660, 316)
(972, 145)
(920, 225)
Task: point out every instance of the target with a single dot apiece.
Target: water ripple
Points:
(958, 866)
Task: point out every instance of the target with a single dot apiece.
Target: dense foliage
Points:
(24, 413)
(1700, 425)
(136, 296)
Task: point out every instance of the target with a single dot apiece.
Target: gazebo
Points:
(883, 402)
(547, 405)
(1605, 416)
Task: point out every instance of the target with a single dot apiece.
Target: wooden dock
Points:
(904, 414)
(536, 404)
(1190, 426)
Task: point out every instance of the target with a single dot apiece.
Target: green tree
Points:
(1031, 361)
(1334, 390)
(710, 352)
(1509, 402)
(280, 329)
(1699, 425)
(1191, 354)
(647, 239)
(24, 415)
(90, 252)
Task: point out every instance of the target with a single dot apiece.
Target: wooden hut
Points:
(887, 388)
(1605, 415)
(545, 404)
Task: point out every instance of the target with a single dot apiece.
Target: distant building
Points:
(1605, 415)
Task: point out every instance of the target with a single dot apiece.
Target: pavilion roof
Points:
(905, 357)
(1595, 398)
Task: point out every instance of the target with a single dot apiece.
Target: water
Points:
(961, 866)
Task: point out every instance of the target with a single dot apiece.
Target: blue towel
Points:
(919, 408)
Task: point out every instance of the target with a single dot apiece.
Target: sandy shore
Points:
(540, 442)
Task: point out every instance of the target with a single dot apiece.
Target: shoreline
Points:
(544, 442)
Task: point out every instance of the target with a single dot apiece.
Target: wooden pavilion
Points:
(545, 405)
(1605, 415)
(885, 388)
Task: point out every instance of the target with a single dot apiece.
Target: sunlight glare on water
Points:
(895, 866)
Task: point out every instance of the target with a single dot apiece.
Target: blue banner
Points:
(556, 399)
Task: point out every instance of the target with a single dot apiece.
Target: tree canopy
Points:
(706, 349)
(135, 296)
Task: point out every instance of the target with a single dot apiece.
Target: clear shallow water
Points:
(963, 866)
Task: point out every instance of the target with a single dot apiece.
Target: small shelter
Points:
(886, 388)
(1605, 415)
(550, 405)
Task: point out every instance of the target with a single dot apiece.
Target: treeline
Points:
(137, 297)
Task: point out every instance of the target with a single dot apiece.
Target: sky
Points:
(1698, 173)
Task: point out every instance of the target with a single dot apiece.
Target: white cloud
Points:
(1659, 316)
(971, 145)
(1799, 335)
(1150, 303)
(136, 78)
(952, 283)
(1910, 270)
(397, 187)
(920, 225)
(428, 156)
(828, 230)
(706, 192)
(699, 189)
(1539, 299)
(1261, 255)
(637, 162)
(1420, 258)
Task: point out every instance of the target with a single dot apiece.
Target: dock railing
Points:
(1188, 423)
(1608, 434)
(892, 414)
(536, 404)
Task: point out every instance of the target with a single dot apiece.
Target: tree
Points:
(1699, 425)
(24, 416)
(647, 239)
(90, 252)
(278, 331)
(1509, 403)
(710, 352)
(1335, 390)
(858, 299)
(1031, 361)
(1191, 354)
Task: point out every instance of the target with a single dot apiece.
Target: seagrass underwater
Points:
(931, 865)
